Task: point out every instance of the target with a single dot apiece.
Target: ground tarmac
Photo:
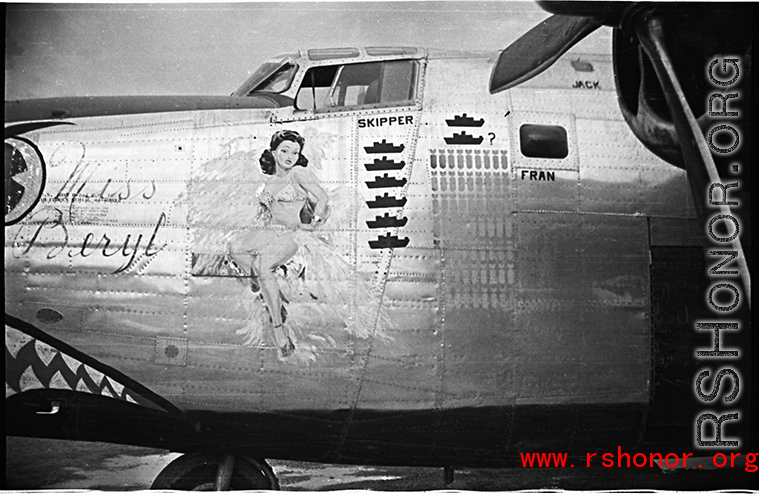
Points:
(41, 464)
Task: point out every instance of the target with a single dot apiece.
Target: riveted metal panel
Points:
(240, 135)
(171, 351)
(106, 237)
(583, 73)
(664, 190)
(676, 232)
(619, 175)
(582, 323)
(595, 105)
(257, 379)
(546, 190)
(526, 101)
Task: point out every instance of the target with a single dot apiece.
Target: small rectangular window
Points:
(328, 53)
(543, 141)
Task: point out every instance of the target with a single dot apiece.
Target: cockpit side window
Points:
(277, 82)
(375, 84)
(315, 90)
(273, 76)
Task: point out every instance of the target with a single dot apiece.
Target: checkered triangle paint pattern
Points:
(31, 364)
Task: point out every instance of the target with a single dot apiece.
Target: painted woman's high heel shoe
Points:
(288, 348)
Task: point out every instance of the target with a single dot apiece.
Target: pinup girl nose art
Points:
(290, 279)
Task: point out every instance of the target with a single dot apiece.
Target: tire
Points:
(197, 472)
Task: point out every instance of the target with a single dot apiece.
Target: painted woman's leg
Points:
(244, 263)
(275, 255)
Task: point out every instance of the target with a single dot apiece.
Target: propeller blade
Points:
(699, 164)
(538, 49)
(609, 13)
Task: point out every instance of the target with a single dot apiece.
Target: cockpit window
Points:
(273, 76)
(277, 82)
(376, 84)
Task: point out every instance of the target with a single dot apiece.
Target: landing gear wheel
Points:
(199, 472)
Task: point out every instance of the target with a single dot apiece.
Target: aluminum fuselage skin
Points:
(517, 316)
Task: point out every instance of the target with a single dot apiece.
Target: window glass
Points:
(353, 82)
(543, 141)
(373, 83)
(398, 81)
(314, 91)
(273, 75)
(328, 53)
(279, 81)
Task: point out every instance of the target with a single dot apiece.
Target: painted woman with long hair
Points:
(257, 223)
(291, 200)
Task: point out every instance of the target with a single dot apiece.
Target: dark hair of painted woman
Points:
(268, 163)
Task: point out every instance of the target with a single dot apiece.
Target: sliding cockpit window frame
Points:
(326, 107)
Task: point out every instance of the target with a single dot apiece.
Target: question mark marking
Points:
(492, 136)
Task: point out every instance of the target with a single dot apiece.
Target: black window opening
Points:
(391, 83)
(543, 141)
